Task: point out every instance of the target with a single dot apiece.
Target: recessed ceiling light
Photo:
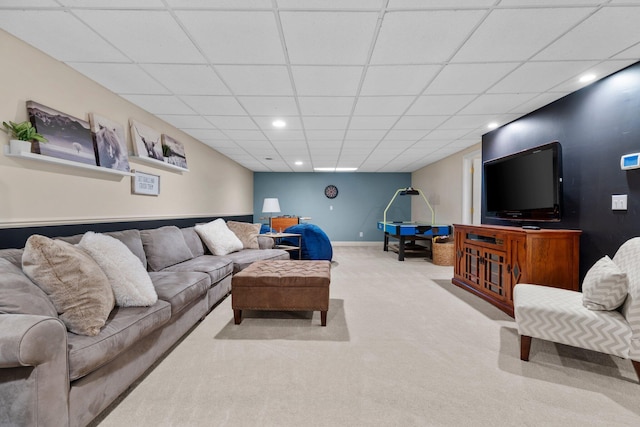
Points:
(335, 169)
(492, 125)
(279, 123)
(268, 158)
(587, 78)
(299, 163)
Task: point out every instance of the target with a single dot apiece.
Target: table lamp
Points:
(270, 206)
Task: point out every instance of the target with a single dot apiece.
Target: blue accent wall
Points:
(362, 198)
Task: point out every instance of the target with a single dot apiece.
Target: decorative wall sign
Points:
(145, 183)
(331, 191)
(69, 137)
(110, 143)
(173, 152)
(146, 141)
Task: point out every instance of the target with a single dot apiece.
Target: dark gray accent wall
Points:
(362, 198)
(595, 126)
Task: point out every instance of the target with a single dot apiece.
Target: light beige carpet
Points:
(402, 347)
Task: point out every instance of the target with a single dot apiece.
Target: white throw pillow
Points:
(218, 238)
(605, 286)
(129, 280)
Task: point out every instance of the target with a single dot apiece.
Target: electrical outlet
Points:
(619, 202)
(361, 234)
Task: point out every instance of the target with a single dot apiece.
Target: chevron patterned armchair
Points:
(562, 316)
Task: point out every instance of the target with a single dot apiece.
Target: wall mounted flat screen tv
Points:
(525, 186)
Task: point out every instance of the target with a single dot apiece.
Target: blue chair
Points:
(315, 243)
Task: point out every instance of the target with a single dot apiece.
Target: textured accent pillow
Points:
(164, 247)
(218, 238)
(246, 232)
(129, 280)
(76, 285)
(605, 286)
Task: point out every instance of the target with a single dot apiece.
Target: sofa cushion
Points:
(604, 286)
(131, 238)
(180, 288)
(12, 255)
(246, 257)
(193, 241)
(218, 238)
(164, 246)
(129, 280)
(124, 327)
(19, 295)
(77, 287)
(246, 232)
(216, 267)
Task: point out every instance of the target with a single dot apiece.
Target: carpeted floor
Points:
(402, 347)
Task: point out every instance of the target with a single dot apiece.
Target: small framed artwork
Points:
(110, 143)
(145, 183)
(146, 141)
(68, 137)
(173, 152)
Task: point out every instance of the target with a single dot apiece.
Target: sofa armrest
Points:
(34, 371)
(266, 242)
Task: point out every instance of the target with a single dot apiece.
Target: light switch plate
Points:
(619, 202)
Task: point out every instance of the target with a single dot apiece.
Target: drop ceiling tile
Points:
(439, 104)
(120, 4)
(382, 105)
(589, 41)
(235, 37)
(405, 134)
(325, 135)
(325, 122)
(415, 37)
(325, 144)
(329, 4)
(293, 122)
(601, 70)
(219, 143)
(216, 4)
(468, 78)
(398, 79)
(30, 3)
(326, 80)
(187, 79)
(232, 122)
(256, 79)
(430, 4)
(143, 35)
(121, 78)
(420, 122)
(328, 37)
(395, 144)
(540, 76)
(160, 104)
(275, 106)
(466, 122)
(285, 135)
(446, 134)
(325, 106)
(360, 144)
(631, 53)
(245, 135)
(208, 105)
(528, 30)
(495, 103)
(554, 3)
(60, 35)
(186, 122)
(537, 102)
(365, 134)
(372, 122)
(206, 134)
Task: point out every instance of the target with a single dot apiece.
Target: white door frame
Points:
(468, 201)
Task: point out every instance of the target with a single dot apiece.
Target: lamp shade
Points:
(271, 205)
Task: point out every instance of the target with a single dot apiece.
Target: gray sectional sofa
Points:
(52, 377)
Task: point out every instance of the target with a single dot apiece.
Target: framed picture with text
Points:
(145, 183)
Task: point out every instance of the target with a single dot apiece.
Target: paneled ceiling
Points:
(378, 85)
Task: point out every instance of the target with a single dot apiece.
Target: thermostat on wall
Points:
(630, 161)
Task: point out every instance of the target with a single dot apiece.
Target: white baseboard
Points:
(342, 243)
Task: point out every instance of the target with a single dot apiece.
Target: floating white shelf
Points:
(157, 163)
(55, 160)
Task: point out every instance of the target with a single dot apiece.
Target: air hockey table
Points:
(407, 233)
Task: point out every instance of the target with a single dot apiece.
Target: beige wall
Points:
(35, 193)
(441, 183)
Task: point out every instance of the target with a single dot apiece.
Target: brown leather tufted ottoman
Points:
(282, 285)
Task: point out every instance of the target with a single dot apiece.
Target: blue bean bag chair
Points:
(315, 243)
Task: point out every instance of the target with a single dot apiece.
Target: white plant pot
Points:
(16, 146)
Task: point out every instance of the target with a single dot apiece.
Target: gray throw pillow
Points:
(164, 247)
(19, 295)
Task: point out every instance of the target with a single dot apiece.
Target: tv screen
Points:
(525, 186)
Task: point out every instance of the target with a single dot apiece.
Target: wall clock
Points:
(331, 191)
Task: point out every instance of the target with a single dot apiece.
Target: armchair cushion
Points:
(605, 286)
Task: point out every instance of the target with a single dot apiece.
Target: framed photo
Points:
(145, 183)
(68, 137)
(109, 142)
(146, 141)
(173, 152)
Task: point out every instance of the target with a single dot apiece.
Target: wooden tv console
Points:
(490, 260)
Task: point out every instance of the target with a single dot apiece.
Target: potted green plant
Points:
(22, 135)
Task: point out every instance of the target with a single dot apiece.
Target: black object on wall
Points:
(16, 237)
(595, 125)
